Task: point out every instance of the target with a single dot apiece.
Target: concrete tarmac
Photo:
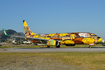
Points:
(45, 50)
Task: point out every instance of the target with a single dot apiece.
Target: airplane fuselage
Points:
(56, 39)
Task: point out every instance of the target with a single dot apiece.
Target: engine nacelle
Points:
(88, 40)
(53, 43)
(69, 42)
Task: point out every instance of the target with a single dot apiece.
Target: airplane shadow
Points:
(89, 47)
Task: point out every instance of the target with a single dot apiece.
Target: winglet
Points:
(5, 32)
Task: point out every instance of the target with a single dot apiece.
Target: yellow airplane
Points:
(57, 39)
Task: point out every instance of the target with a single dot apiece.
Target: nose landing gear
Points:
(90, 46)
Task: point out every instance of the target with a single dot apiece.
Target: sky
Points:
(54, 16)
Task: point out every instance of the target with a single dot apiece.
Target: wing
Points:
(30, 38)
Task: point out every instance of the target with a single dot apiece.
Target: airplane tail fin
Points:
(5, 32)
(27, 30)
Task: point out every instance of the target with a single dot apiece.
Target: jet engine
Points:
(88, 40)
(53, 43)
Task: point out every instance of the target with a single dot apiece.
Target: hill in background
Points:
(21, 33)
(3, 37)
(1, 31)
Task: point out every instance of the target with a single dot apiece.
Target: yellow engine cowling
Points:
(88, 40)
(69, 42)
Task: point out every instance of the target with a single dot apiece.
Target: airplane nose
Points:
(99, 39)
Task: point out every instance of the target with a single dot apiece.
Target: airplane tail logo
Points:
(27, 30)
(5, 32)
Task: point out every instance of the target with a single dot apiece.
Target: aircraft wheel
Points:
(89, 46)
(47, 46)
(58, 46)
(67, 45)
(73, 44)
(70, 44)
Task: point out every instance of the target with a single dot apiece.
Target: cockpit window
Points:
(98, 37)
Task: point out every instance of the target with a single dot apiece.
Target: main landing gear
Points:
(47, 46)
(89, 46)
